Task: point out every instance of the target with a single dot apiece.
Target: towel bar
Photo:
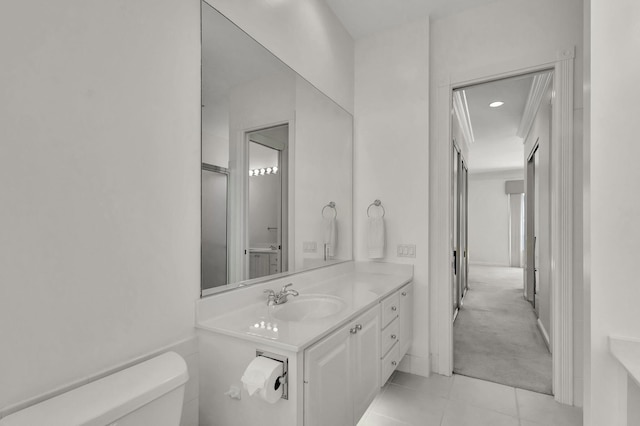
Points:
(376, 203)
(331, 205)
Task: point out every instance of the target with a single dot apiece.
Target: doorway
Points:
(496, 331)
(267, 201)
(561, 207)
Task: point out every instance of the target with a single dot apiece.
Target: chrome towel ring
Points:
(331, 205)
(376, 203)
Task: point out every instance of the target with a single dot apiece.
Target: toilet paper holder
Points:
(283, 380)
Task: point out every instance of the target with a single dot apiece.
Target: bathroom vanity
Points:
(342, 337)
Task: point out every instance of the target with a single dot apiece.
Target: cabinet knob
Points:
(358, 326)
(393, 308)
(394, 363)
(393, 337)
(404, 293)
(353, 330)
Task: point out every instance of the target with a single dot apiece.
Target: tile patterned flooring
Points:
(410, 400)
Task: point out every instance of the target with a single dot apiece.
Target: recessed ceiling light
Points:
(496, 104)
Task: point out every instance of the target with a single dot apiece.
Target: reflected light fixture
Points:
(496, 104)
(263, 171)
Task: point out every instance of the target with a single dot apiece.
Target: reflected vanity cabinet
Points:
(396, 330)
(342, 372)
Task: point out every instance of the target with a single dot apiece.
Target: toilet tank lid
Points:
(107, 399)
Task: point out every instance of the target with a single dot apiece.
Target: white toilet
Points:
(149, 393)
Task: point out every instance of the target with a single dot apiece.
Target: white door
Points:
(366, 361)
(328, 387)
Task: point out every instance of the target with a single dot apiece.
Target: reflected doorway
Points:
(267, 202)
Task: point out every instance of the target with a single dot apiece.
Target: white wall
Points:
(501, 34)
(324, 173)
(614, 205)
(304, 34)
(391, 156)
(100, 186)
(489, 217)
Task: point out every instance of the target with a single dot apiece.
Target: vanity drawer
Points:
(390, 308)
(389, 336)
(389, 364)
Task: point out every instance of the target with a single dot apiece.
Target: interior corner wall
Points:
(489, 217)
(392, 156)
(498, 33)
(586, 218)
(305, 35)
(614, 204)
(100, 186)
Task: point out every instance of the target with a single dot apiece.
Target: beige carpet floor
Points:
(495, 334)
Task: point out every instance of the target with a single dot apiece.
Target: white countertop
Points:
(627, 352)
(360, 290)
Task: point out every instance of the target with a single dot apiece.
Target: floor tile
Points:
(409, 406)
(436, 384)
(543, 409)
(484, 394)
(374, 419)
(459, 413)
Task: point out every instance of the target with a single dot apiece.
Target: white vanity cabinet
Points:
(396, 330)
(262, 264)
(341, 372)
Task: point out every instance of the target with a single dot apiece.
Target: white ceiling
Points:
(365, 17)
(496, 146)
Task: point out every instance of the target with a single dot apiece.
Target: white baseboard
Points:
(545, 335)
(415, 365)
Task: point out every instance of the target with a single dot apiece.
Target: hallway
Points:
(496, 337)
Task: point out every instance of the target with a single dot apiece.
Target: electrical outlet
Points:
(406, 250)
(309, 247)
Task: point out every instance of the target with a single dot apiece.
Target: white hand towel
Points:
(330, 235)
(375, 237)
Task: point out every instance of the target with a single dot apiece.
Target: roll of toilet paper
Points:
(262, 378)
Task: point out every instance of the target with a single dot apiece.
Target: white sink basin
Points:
(308, 308)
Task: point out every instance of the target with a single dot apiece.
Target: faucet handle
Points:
(286, 286)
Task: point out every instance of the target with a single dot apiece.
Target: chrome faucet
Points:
(279, 298)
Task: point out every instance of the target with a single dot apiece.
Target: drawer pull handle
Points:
(393, 308)
(353, 330)
(404, 293)
(358, 326)
(393, 337)
(394, 363)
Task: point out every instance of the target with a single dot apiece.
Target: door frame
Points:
(530, 212)
(440, 226)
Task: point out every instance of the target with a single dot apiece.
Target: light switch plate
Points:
(406, 250)
(309, 247)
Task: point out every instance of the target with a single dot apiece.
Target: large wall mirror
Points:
(277, 158)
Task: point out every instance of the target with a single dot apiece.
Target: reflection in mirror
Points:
(267, 201)
(275, 152)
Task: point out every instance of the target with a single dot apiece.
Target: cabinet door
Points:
(366, 361)
(328, 387)
(406, 318)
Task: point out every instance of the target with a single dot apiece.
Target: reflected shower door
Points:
(214, 226)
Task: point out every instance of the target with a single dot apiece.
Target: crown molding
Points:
(461, 109)
(536, 93)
